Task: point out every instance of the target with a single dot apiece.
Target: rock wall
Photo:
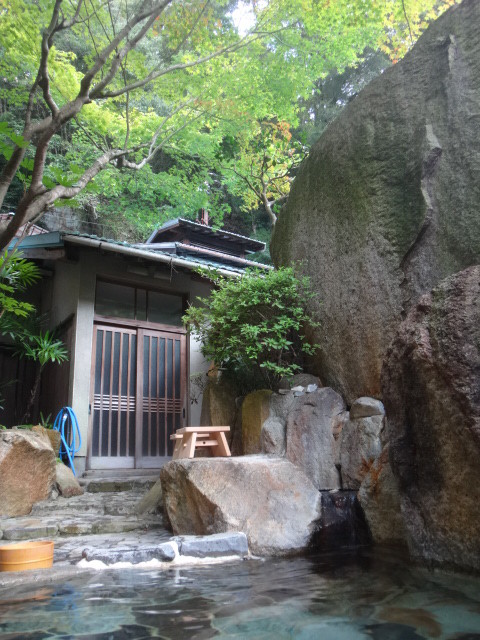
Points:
(386, 205)
(431, 387)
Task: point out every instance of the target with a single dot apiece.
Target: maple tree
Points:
(102, 84)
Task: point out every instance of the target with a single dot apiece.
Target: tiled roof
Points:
(58, 239)
(248, 243)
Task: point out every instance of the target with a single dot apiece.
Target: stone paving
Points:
(103, 524)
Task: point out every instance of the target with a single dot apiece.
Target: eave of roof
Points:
(56, 239)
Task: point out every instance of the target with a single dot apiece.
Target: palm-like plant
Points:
(19, 321)
(42, 349)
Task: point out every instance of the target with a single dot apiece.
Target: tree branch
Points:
(158, 73)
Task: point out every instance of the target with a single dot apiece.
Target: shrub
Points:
(253, 326)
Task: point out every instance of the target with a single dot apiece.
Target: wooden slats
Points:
(114, 403)
(125, 384)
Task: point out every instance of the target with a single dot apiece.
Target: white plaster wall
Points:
(198, 364)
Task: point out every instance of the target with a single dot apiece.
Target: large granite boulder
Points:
(268, 498)
(431, 387)
(386, 204)
(27, 471)
(311, 445)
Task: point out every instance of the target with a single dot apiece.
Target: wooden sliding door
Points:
(137, 395)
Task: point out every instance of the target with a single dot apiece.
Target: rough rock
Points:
(215, 546)
(273, 436)
(431, 387)
(366, 407)
(218, 404)
(236, 437)
(267, 498)
(310, 436)
(152, 501)
(280, 405)
(165, 552)
(27, 471)
(386, 204)
(255, 410)
(53, 435)
(380, 500)
(360, 445)
(66, 482)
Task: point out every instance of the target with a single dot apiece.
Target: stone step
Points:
(31, 528)
(110, 485)
(115, 503)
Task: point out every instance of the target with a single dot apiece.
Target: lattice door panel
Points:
(138, 395)
(160, 393)
(114, 395)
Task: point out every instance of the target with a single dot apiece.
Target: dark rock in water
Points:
(342, 524)
(431, 386)
(387, 203)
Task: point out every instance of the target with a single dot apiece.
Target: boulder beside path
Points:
(27, 471)
(268, 498)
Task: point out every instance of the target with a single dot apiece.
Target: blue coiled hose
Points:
(67, 424)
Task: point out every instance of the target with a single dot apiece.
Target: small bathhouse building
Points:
(118, 307)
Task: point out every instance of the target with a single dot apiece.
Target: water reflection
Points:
(337, 597)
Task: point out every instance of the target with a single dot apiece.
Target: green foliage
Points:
(253, 326)
(19, 321)
(46, 421)
(16, 274)
(42, 348)
(193, 113)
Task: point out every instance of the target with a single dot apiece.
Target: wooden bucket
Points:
(26, 555)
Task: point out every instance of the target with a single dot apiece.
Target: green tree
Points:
(118, 81)
(266, 164)
(253, 326)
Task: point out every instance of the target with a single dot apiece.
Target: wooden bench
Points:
(188, 439)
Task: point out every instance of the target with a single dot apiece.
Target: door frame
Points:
(139, 327)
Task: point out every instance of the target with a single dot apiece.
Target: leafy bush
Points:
(253, 326)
